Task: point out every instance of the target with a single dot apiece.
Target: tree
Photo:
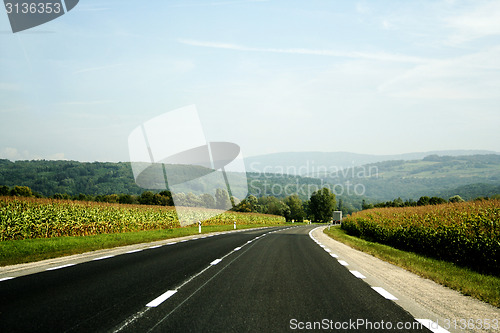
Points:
(365, 205)
(4, 190)
(296, 209)
(21, 191)
(423, 201)
(322, 205)
(456, 198)
(247, 205)
(168, 196)
(436, 201)
(208, 200)
(222, 199)
(277, 207)
(146, 198)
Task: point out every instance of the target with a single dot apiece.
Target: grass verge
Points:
(29, 250)
(483, 287)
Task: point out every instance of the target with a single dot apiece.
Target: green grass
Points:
(483, 287)
(29, 250)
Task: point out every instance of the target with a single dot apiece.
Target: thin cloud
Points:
(78, 103)
(380, 56)
(473, 24)
(93, 69)
(9, 86)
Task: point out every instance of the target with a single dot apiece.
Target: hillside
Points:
(314, 163)
(73, 178)
(468, 176)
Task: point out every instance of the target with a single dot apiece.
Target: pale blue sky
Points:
(378, 77)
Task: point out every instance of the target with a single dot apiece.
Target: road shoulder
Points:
(13, 271)
(421, 297)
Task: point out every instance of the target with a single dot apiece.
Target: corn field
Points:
(466, 233)
(25, 218)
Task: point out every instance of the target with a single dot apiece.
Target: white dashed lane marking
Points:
(59, 267)
(101, 258)
(358, 274)
(343, 263)
(385, 293)
(432, 326)
(6, 278)
(134, 251)
(160, 299)
(215, 262)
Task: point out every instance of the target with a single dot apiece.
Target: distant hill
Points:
(432, 175)
(103, 178)
(469, 176)
(315, 163)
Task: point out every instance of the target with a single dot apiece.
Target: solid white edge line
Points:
(171, 243)
(154, 247)
(6, 278)
(328, 250)
(215, 262)
(105, 257)
(358, 274)
(385, 293)
(160, 299)
(58, 267)
(432, 326)
(343, 263)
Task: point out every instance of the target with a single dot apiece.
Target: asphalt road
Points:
(249, 281)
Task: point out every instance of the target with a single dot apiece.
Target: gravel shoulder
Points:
(421, 297)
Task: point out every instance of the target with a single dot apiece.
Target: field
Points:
(30, 218)
(465, 233)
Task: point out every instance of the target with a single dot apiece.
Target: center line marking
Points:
(215, 262)
(385, 293)
(160, 299)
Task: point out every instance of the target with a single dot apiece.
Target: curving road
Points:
(267, 280)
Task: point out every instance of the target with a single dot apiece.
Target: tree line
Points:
(422, 201)
(319, 207)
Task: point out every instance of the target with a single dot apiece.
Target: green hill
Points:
(432, 175)
(469, 176)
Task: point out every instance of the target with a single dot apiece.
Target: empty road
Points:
(266, 280)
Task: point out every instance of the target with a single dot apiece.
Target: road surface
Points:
(266, 280)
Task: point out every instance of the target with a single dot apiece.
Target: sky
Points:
(373, 77)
